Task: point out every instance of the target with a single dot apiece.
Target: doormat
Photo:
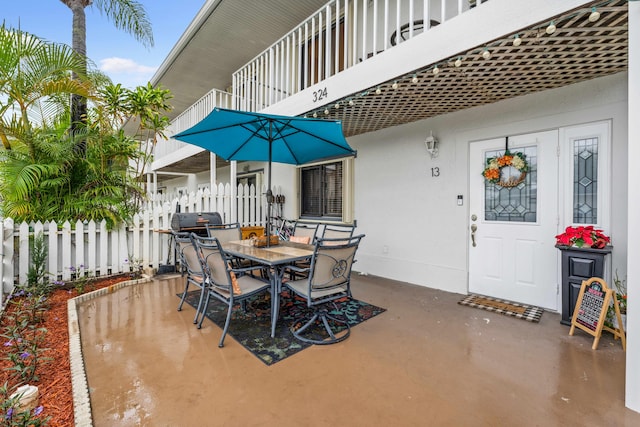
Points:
(521, 311)
(252, 328)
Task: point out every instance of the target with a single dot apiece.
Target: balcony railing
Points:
(189, 117)
(340, 35)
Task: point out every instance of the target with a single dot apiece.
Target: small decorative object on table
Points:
(583, 236)
(260, 242)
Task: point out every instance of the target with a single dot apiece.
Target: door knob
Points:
(474, 228)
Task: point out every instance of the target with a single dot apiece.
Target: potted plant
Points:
(621, 296)
(579, 246)
(583, 236)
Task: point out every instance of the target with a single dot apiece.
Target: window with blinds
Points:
(321, 191)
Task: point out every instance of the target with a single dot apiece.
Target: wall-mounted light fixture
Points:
(431, 144)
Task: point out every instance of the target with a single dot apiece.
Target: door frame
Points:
(542, 293)
(565, 133)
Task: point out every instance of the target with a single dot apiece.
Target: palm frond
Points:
(130, 16)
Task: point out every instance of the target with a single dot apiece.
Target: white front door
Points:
(511, 252)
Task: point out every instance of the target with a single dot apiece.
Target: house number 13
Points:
(435, 172)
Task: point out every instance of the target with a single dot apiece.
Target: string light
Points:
(551, 28)
(517, 41)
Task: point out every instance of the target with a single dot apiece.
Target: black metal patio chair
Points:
(329, 279)
(303, 230)
(190, 265)
(225, 232)
(225, 283)
(336, 231)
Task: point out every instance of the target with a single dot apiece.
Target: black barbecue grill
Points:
(195, 222)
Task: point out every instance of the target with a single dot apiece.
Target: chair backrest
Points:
(304, 230)
(331, 265)
(225, 232)
(187, 252)
(332, 231)
(213, 260)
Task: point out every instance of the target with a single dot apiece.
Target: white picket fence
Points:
(92, 249)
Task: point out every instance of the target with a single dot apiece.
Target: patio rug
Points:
(252, 328)
(508, 308)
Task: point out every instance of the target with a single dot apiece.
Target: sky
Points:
(113, 51)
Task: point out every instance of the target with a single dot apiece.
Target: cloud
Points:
(117, 65)
(127, 72)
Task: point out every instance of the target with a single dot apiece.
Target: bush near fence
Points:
(105, 252)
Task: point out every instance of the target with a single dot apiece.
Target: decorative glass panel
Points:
(585, 181)
(513, 204)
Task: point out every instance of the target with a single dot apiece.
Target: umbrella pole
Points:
(269, 192)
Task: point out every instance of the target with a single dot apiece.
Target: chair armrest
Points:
(298, 269)
(241, 271)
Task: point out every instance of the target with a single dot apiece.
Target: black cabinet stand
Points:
(579, 264)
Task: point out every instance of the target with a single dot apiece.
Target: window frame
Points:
(601, 131)
(346, 216)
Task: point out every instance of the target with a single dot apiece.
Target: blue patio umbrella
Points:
(250, 136)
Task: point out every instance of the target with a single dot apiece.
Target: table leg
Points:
(277, 273)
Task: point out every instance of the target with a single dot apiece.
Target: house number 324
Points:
(320, 94)
(435, 172)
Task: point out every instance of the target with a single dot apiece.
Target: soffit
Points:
(208, 53)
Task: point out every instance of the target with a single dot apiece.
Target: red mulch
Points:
(54, 383)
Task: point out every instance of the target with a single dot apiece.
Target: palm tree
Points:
(127, 15)
(42, 177)
(33, 74)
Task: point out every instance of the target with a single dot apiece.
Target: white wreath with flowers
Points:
(493, 170)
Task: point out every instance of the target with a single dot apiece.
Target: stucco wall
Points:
(415, 230)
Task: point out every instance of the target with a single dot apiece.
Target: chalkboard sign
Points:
(591, 308)
(591, 305)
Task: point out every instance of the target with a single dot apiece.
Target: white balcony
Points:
(340, 35)
(170, 150)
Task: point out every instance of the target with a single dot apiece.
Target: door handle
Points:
(474, 228)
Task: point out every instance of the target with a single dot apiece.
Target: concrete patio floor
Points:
(426, 361)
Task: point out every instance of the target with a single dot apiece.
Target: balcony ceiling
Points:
(577, 51)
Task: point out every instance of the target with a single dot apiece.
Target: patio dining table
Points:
(277, 258)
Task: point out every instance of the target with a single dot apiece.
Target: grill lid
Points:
(181, 221)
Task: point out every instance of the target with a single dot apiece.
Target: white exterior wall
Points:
(632, 392)
(415, 230)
